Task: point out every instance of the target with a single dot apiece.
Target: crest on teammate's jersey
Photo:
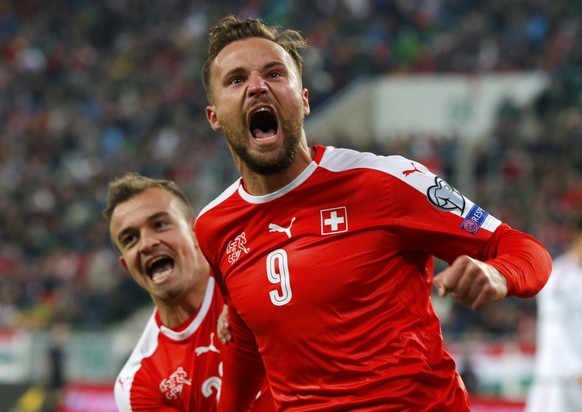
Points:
(172, 386)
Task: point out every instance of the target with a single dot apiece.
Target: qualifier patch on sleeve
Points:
(474, 220)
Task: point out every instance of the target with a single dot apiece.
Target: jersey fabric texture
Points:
(557, 386)
(333, 275)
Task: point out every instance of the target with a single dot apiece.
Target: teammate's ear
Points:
(194, 233)
(123, 262)
(305, 98)
(212, 118)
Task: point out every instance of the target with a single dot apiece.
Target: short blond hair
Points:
(132, 184)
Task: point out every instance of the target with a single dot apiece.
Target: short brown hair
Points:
(132, 184)
(230, 29)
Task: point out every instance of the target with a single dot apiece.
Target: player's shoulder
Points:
(129, 380)
(220, 199)
(145, 347)
(339, 159)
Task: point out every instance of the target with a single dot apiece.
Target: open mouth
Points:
(263, 123)
(160, 268)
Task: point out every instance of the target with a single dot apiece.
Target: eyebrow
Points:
(265, 67)
(150, 218)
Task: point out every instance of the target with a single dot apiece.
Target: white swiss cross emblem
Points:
(334, 220)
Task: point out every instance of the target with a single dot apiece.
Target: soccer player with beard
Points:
(177, 363)
(325, 255)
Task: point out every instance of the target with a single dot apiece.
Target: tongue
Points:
(258, 133)
(161, 272)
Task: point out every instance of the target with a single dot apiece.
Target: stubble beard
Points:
(274, 162)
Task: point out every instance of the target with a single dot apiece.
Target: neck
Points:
(174, 312)
(260, 185)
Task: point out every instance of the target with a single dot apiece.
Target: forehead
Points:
(249, 54)
(138, 209)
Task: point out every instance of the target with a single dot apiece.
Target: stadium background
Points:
(92, 89)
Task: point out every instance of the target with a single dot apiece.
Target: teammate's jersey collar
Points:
(190, 325)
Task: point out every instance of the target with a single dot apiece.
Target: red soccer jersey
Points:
(333, 275)
(176, 369)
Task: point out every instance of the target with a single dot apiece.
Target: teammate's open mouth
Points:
(263, 123)
(159, 268)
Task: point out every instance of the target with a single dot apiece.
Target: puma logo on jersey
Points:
(410, 171)
(172, 386)
(121, 382)
(210, 348)
(273, 227)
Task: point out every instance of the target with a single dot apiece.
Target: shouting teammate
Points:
(177, 363)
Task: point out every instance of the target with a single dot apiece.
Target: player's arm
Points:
(264, 400)
(515, 264)
(488, 259)
(243, 370)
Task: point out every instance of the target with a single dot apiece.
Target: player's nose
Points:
(147, 241)
(256, 85)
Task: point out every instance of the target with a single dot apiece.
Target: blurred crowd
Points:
(92, 89)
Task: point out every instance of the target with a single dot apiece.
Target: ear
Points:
(194, 233)
(305, 98)
(123, 262)
(212, 118)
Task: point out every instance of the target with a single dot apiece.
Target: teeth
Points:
(155, 260)
(263, 109)
(263, 139)
(161, 273)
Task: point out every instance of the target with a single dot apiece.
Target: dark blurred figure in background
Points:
(56, 356)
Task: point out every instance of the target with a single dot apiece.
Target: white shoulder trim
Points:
(221, 198)
(145, 347)
(417, 176)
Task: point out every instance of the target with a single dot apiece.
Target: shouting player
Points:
(325, 255)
